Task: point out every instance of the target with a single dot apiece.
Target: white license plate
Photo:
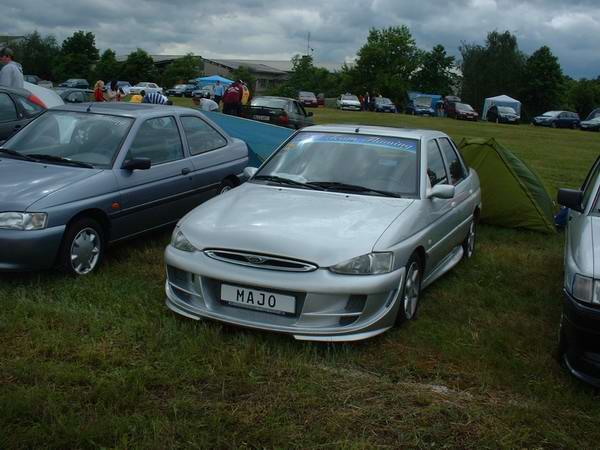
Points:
(255, 299)
(258, 117)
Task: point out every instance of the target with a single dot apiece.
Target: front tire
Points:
(226, 185)
(411, 290)
(83, 247)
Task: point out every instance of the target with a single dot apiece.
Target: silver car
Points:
(349, 102)
(332, 239)
(579, 346)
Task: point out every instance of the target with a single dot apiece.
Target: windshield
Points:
(376, 162)
(551, 113)
(350, 97)
(463, 107)
(81, 137)
(269, 102)
(307, 95)
(180, 86)
(506, 110)
(423, 102)
(383, 100)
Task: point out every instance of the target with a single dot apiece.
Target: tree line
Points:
(78, 57)
(389, 63)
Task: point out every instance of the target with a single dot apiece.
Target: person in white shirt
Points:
(11, 74)
(205, 104)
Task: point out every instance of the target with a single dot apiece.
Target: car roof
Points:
(123, 108)
(409, 133)
(272, 97)
(18, 91)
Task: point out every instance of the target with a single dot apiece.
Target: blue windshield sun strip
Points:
(380, 141)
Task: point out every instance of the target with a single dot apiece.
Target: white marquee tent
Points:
(500, 100)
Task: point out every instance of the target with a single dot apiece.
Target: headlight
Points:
(180, 242)
(371, 264)
(586, 289)
(23, 221)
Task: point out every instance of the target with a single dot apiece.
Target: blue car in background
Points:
(420, 106)
(557, 119)
(81, 176)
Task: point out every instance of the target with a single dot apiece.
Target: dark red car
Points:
(308, 99)
(321, 99)
(463, 111)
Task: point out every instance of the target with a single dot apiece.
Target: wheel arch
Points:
(98, 215)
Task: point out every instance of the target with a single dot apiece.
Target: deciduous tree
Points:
(435, 74)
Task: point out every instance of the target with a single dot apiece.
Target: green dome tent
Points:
(512, 195)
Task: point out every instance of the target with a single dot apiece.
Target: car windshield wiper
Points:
(16, 154)
(334, 185)
(60, 160)
(288, 181)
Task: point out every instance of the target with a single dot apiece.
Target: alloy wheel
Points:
(85, 251)
(412, 289)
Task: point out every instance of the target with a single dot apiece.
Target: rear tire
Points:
(83, 247)
(468, 244)
(411, 290)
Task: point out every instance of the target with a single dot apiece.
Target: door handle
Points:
(185, 171)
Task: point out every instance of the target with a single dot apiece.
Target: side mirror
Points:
(571, 198)
(309, 114)
(249, 172)
(441, 191)
(137, 164)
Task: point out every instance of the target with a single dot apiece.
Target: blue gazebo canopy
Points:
(212, 80)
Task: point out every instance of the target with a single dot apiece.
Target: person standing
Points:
(98, 91)
(219, 90)
(11, 74)
(113, 92)
(232, 99)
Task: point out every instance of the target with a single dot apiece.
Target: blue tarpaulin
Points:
(203, 81)
(262, 138)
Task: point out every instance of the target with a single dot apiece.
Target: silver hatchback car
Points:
(332, 239)
(579, 346)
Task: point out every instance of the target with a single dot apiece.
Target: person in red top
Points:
(232, 100)
(98, 93)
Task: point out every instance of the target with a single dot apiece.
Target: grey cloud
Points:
(271, 29)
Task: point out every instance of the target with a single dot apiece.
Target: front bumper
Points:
(29, 250)
(350, 107)
(580, 331)
(329, 307)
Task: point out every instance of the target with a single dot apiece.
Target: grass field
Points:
(100, 362)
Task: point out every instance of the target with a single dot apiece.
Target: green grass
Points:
(100, 362)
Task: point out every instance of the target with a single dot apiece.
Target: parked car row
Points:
(347, 262)
(181, 90)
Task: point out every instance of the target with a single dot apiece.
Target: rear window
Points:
(269, 102)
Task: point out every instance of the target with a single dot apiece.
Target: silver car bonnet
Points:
(324, 228)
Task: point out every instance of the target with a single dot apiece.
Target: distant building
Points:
(268, 73)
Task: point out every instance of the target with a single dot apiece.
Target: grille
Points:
(260, 261)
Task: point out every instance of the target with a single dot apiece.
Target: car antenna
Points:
(357, 130)
(89, 107)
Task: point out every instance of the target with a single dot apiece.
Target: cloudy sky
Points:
(275, 29)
